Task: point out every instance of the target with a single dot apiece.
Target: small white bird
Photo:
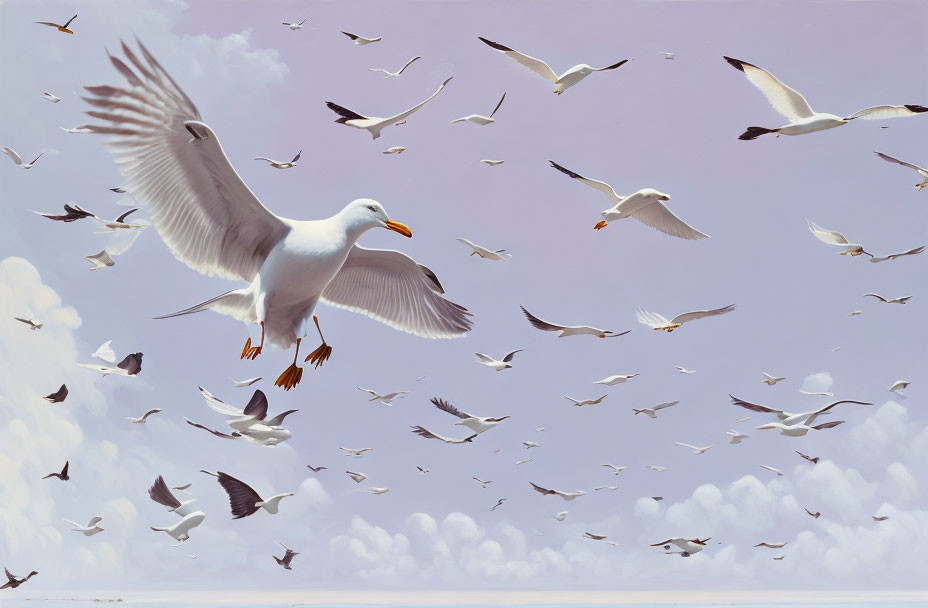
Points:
(518, 462)
(422, 470)
(561, 516)
(772, 470)
(531, 444)
(144, 416)
(386, 399)
(894, 256)
(491, 162)
(617, 379)
(817, 393)
(667, 55)
(605, 488)
(76, 130)
(295, 26)
(51, 98)
(395, 150)
(742, 419)
(389, 74)
(922, 172)
(651, 412)
(565, 495)
(357, 477)
(100, 260)
(898, 300)
(792, 418)
(802, 119)
(105, 352)
(19, 161)
(497, 255)
(361, 40)
(645, 205)
(656, 467)
(479, 118)
(770, 380)
(498, 364)
(579, 403)
(797, 430)
(33, 325)
(616, 469)
(855, 313)
(427, 434)
(190, 516)
(687, 546)
(897, 387)
(374, 124)
(129, 367)
(482, 482)
(92, 527)
(357, 453)
(659, 322)
(569, 330)
(243, 383)
(374, 490)
(696, 450)
(281, 164)
(683, 370)
(539, 67)
(477, 424)
(771, 545)
(833, 237)
(592, 536)
(734, 437)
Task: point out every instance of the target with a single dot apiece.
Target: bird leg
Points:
(250, 352)
(600, 225)
(293, 374)
(321, 354)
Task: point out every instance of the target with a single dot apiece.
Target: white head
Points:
(654, 194)
(365, 213)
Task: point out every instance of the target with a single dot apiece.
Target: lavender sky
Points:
(670, 125)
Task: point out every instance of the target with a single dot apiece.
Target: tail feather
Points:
(238, 303)
(755, 132)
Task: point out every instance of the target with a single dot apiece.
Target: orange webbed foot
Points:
(250, 352)
(319, 356)
(290, 378)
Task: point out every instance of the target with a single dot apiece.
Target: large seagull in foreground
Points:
(174, 164)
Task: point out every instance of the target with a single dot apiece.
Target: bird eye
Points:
(372, 208)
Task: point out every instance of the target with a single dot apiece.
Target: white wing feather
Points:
(661, 218)
(788, 102)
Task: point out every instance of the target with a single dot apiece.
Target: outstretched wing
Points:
(498, 105)
(592, 183)
(527, 61)
(701, 314)
(754, 407)
(132, 364)
(209, 430)
(883, 112)
(541, 489)
(659, 217)
(394, 289)
(160, 493)
(413, 109)
(888, 158)
(447, 407)
(539, 323)
(257, 406)
(510, 355)
(175, 166)
(242, 498)
(786, 101)
(893, 256)
(663, 405)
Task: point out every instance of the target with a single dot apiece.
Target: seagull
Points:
(651, 412)
(100, 260)
(564, 495)
(386, 399)
(315, 469)
(63, 475)
(284, 561)
(802, 119)
(33, 325)
(480, 119)
(882, 518)
(388, 73)
(518, 462)
(779, 557)
(243, 500)
(498, 504)
(539, 67)
(812, 459)
(498, 364)
(570, 330)
(491, 162)
(357, 477)
(60, 28)
(243, 383)
(293, 27)
(683, 370)
(374, 124)
(50, 97)
(897, 387)
(696, 450)
(815, 515)
(742, 419)
(145, 416)
(212, 222)
(899, 300)
(616, 469)
(357, 453)
(646, 206)
(922, 172)
(75, 129)
(92, 527)
(477, 424)
(58, 396)
(422, 471)
(281, 164)
(19, 161)
(659, 322)
(531, 444)
(894, 256)
(817, 393)
(579, 403)
(13, 582)
(594, 536)
(770, 380)
(798, 430)
(361, 40)
(498, 255)
(561, 516)
(424, 432)
(373, 490)
(734, 437)
(657, 498)
(772, 470)
(617, 379)
(606, 488)
(790, 418)
(687, 546)
(105, 352)
(771, 545)
(395, 150)
(251, 422)
(189, 516)
(130, 366)
(656, 467)
(482, 482)
(833, 237)
(667, 55)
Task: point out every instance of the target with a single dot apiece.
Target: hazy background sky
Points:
(670, 125)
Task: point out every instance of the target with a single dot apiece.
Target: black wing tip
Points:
(495, 45)
(616, 65)
(564, 169)
(754, 132)
(737, 63)
(915, 108)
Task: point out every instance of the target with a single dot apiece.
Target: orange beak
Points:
(398, 227)
(600, 225)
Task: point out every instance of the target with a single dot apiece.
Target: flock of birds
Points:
(176, 170)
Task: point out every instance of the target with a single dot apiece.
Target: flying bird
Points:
(778, 472)
(615, 469)
(60, 28)
(898, 300)
(687, 546)
(498, 504)
(531, 444)
(659, 322)
(75, 129)
(812, 459)
(617, 379)
(100, 260)
(562, 494)
(243, 500)
(498, 364)
(896, 256)
(497, 255)
(881, 518)
(389, 74)
(58, 396)
(492, 162)
(92, 527)
(817, 393)
(646, 206)
(539, 67)
(130, 366)
(790, 418)
(683, 370)
(771, 380)
(212, 222)
(386, 399)
(12, 581)
(190, 517)
(605, 488)
(833, 237)
(374, 490)
(374, 124)
(18, 161)
(33, 325)
(63, 475)
(293, 27)
(651, 412)
(798, 430)
(581, 403)
(361, 40)
(477, 424)
(395, 150)
(243, 383)
(251, 422)
(105, 352)
(656, 467)
(734, 437)
(482, 483)
(144, 417)
(357, 477)
(424, 432)
(50, 97)
(282, 164)
(696, 450)
(922, 172)
(771, 545)
(356, 452)
(284, 561)
(667, 55)
(815, 515)
(570, 330)
(561, 516)
(422, 470)
(802, 119)
(898, 386)
(479, 118)
(592, 536)
(315, 469)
